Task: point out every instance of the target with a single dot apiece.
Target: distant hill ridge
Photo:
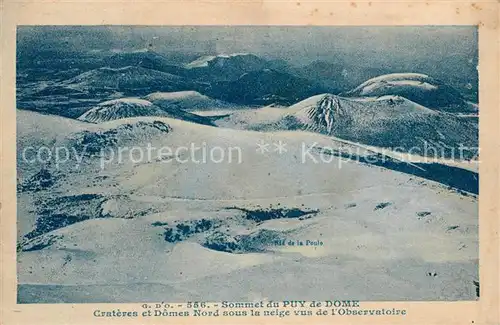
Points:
(131, 79)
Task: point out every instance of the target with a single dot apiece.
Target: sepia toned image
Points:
(247, 163)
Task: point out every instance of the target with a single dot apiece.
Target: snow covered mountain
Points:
(135, 107)
(386, 121)
(186, 100)
(121, 108)
(417, 87)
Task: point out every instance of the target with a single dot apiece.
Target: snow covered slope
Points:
(186, 100)
(132, 230)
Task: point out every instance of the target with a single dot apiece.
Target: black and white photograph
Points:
(247, 163)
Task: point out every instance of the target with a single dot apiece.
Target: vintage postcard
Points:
(249, 162)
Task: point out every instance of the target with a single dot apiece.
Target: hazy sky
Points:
(296, 44)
